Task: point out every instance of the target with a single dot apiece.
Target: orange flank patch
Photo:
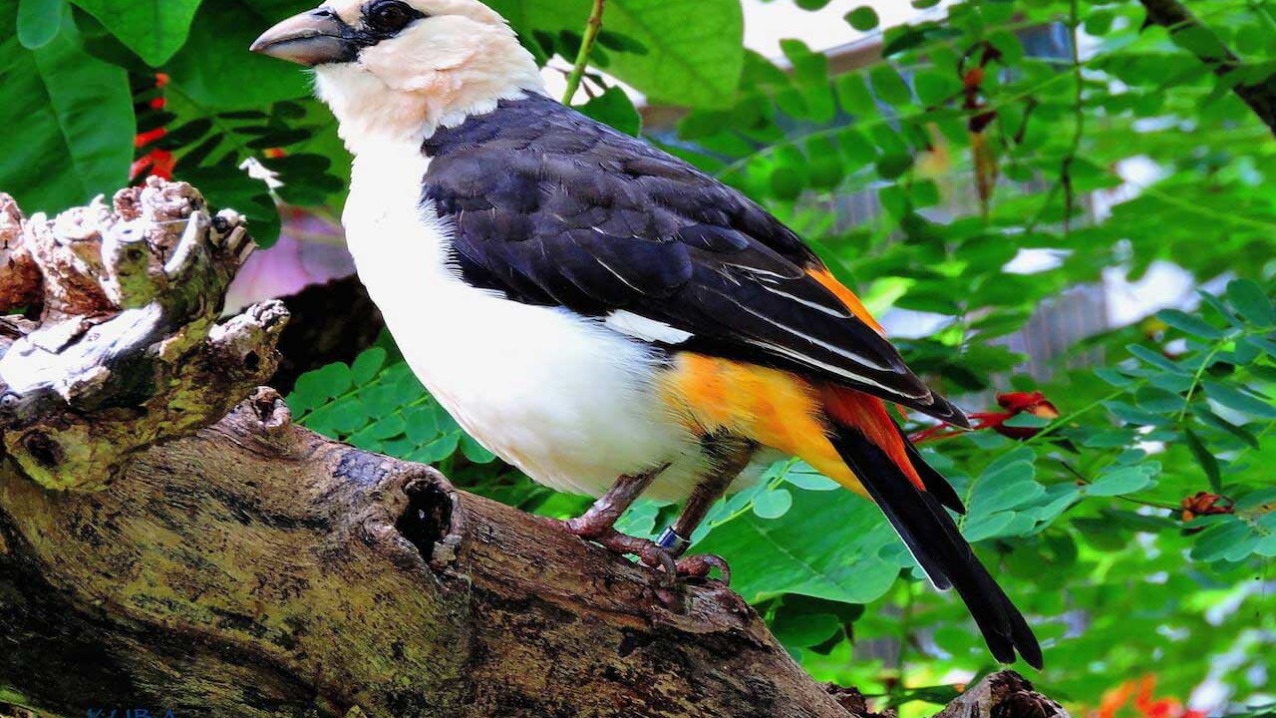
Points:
(847, 297)
(774, 408)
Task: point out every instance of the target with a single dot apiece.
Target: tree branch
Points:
(1259, 95)
(239, 565)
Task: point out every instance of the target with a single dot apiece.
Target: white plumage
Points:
(567, 399)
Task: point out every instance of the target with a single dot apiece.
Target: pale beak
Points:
(311, 38)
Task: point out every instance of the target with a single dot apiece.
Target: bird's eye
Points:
(390, 17)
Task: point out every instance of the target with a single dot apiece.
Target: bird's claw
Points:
(698, 567)
(650, 554)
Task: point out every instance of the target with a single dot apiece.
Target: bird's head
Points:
(395, 69)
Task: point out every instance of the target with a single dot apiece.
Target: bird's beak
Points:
(311, 38)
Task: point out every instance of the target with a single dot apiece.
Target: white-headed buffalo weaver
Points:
(601, 314)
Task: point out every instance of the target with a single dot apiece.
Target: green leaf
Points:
(621, 43)
(1120, 482)
(827, 546)
(1224, 539)
(421, 425)
(39, 21)
(154, 29)
(1006, 483)
(1115, 378)
(853, 95)
(1155, 359)
(888, 85)
(1262, 344)
(808, 479)
(802, 630)
(1007, 43)
(1262, 500)
(686, 65)
(1207, 460)
(76, 120)
(1238, 400)
(614, 108)
(892, 166)
(437, 450)
(1251, 303)
(333, 380)
(772, 504)
(1158, 401)
(1204, 414)
(347, 416)
(935, 87)
(1189, 324)
(987, 526)
(1027, 421)
(215, 71)
(475, 451)
(366, 365)
(863, 18)
(640, 519)
(695, 53)
(1058, 498)
(386, 427)
(1099, 22)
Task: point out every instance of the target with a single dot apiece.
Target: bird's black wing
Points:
(553, 208)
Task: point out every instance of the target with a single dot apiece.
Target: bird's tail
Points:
(914, 496)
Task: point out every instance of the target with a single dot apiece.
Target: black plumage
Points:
(553, 208)
(934, 540)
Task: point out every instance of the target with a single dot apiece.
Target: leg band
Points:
(670, 541)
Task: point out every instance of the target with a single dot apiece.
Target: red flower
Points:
(1014, 403)
(1203, 503)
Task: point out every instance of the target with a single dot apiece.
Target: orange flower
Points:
(1140, 690)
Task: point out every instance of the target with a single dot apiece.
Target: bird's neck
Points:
(372, 114)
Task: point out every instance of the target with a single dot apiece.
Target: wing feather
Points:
(553, 208)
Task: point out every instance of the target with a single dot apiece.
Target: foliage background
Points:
(1143, 608)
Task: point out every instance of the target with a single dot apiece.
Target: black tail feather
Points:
(932, 536)
(932, 480)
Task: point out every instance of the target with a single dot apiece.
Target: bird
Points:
(602, 315)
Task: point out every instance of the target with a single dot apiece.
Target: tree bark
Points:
(165, 546)
(1258, 93)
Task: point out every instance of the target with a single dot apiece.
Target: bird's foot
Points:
(698, 567)
(692, 567)
(649, 553)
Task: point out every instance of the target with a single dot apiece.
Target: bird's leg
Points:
(598, 523)
(601, 517)
(729, 456)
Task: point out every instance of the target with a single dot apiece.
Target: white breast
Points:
(563, 397)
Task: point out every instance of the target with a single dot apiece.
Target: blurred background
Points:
(1062, 210)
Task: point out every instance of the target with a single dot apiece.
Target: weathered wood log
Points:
(162, 550)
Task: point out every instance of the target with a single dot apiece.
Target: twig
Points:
(1064, 182)
(594, 24)
(1065, 168)
(1173, 16)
